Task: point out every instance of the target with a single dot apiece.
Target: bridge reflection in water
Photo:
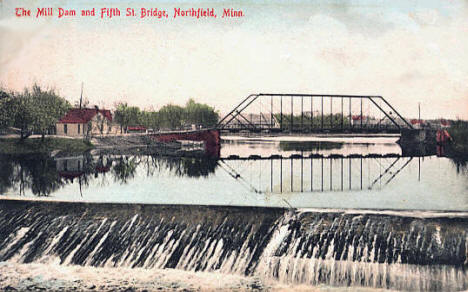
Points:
(316, 174)
(272, 175)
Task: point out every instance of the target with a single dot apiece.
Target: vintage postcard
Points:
(206, 145)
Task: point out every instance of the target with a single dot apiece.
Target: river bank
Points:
(117, 145)
(35, 145)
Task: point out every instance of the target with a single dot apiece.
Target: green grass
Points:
(13, 146)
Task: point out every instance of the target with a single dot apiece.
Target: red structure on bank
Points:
(211, 138)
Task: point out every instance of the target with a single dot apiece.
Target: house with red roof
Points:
(86, 121)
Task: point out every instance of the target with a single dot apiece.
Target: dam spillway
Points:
(378, 250)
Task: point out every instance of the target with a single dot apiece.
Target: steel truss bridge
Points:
(313, 113)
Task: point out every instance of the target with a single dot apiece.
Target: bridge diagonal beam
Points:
(384, 173)
(398, 171)
(396, 112)
(236, 110)
(247, 120)
(385, 113)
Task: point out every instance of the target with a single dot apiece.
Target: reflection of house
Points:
(72, 167)
(80, 122)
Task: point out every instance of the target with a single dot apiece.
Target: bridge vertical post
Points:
(349, 174)
(321, 123)
(271, 112)
(331, 174)
(361, 113)
(302, 114)
(342, 173)
(361, 172)
(260, 116)
(322, 173)
(311, 113)
(302, 172)
(331, 112)
(311, 174)
(281, 113)
(292, 115)
(350, 117)
(291, 173)
(271, 175)
(281, 174)
(342, 117)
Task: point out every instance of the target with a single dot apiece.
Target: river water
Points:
(342, 212)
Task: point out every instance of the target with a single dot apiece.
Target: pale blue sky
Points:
(407, 51)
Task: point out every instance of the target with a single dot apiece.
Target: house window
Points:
(79, 128)
(65, 128)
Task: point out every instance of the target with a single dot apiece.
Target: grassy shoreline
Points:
(14, 146)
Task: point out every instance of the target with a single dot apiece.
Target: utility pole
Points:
(81, 96)
(419, 111)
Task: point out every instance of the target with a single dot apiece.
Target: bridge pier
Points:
(417, 136)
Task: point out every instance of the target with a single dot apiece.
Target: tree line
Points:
(168, 117)
(32, 110)
(37, 110)
(308, 122)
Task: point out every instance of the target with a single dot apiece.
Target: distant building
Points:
(136, 129)
(444, 123)
(417, 123)
(76, 122)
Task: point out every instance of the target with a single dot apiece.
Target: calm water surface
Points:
(358, 180)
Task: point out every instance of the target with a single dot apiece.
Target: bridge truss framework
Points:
(311, 117)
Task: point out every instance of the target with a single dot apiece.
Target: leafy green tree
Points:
(169, 116)
(200, 114)
(33, 109)
(8, 108)
(150, 119)
(172, 116)
(47, 107)
(126, 115)
(3, 94)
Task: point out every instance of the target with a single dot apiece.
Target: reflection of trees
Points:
(6, 175)
(125, 168)
(35, 172)
(43, 175)
(461, 164)
(184, 166)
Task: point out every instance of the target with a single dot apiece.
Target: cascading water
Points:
(337, 248)
(380, 251)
